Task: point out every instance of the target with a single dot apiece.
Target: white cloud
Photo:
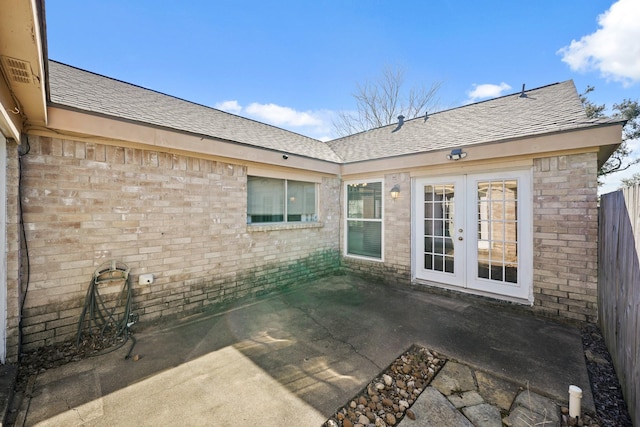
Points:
(486, 90)
(613, 49)
(229, 106)
(315, 124)
(282, 116)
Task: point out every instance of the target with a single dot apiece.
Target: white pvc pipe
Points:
(575, 397)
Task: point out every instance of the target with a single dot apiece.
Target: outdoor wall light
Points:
(395, 191)
(456, 154)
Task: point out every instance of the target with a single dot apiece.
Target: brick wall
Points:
(565, 226)
(14, 249)
(182, 219)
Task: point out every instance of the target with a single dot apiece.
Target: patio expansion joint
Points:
(333, 337)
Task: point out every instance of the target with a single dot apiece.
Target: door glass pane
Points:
(483, 270)
(428, 210)
(497, 231)
(428, 244)
(511, 190)
(497, 250)
(448, 246)
(439, 210)
(428, 227)
(428, 261)
(511, 269)
(448, 264)
(438, 264)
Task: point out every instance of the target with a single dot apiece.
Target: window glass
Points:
(364, 238)
(301, 201)
(280, 200)
(365, 200)
(364, 219)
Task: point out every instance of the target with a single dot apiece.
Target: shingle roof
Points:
(547, 109)
(83, 90)
(552, 108)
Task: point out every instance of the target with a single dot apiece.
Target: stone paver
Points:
(523, 417)
(483, 415)
(462, 396)
(468, 398)
(496, 391)
(454, 378)
(432, 409)
(532, 402)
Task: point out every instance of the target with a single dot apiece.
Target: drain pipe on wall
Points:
(575, 398)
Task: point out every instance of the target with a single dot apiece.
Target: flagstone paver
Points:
(432, 409)
(468, 398)
(483, 415)
(462, 396)
(496, 391)
(454, 378)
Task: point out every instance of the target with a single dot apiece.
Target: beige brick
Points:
(149, 209)
(574, 316)
(566, 184)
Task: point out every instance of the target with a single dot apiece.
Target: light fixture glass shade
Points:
(395, 191)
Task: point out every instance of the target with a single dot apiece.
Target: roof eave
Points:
(114, 130)
(601, 138)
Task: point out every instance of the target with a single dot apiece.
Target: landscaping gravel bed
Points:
(387, 398)
(607, 394)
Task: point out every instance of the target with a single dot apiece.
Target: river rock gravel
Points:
(387, 398)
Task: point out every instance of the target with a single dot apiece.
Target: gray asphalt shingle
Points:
(552, 108)
(547, 109)
(83, 90)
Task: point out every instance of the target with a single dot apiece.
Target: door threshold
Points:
(421, 283)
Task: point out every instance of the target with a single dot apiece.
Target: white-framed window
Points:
(364, 219)
(272, 200)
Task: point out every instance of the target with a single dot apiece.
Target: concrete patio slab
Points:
(293, 358)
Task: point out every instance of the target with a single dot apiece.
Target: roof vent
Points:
(522, 94)
(16, 70)
(400, 123)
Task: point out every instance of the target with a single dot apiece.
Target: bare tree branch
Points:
(379, 103)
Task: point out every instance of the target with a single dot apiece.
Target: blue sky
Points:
(295, 64)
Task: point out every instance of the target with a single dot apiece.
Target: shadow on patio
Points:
(295, 357)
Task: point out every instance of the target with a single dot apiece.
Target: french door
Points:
(474, 232)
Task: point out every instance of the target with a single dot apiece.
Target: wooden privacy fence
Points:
(619, 288)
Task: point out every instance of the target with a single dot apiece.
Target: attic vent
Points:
(16, 71)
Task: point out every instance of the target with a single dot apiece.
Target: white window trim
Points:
(345, 204)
